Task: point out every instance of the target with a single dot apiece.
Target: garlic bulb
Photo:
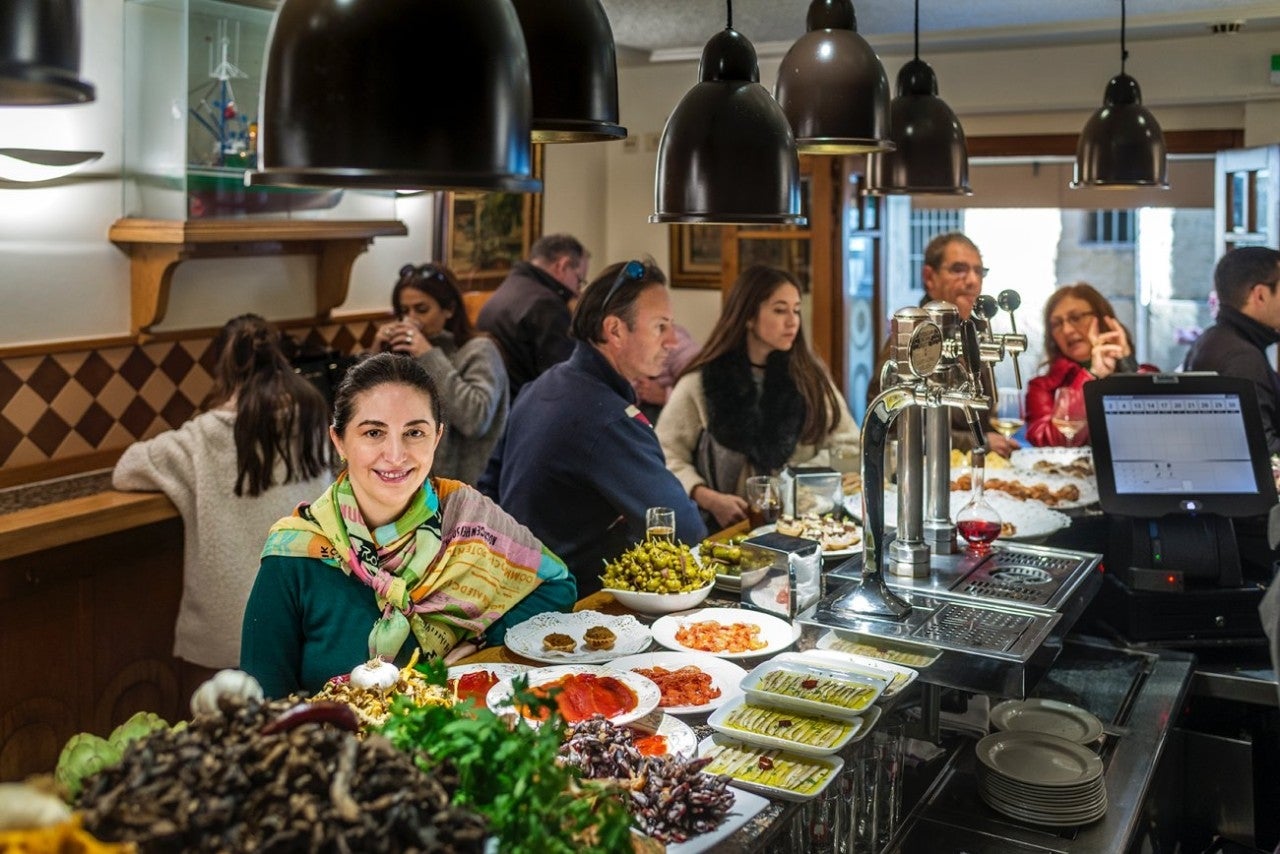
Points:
(375, 675)
(22, 808)
(225, 683)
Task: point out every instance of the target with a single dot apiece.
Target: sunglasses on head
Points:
(632, 271)
(425, 271)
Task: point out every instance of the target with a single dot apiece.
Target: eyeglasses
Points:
(632, 271)
(1075, 318)
(962, 269)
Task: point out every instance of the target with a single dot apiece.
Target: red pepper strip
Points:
(338, 714)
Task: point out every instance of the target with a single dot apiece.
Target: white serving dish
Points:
(897, 676)
(823, 770)
(525, 639)
(647, 694)
(752, 686)
(902, 654)
(776, 632)
(720, 721)
(725, 675)
(660, 603)
(746, 806)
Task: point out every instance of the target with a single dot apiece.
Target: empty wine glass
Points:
(1068, 412)
(1009, 415)
(978, 522)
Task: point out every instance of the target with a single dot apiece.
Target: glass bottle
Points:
(978, 522)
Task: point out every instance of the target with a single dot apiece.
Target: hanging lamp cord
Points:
(917, 30)
(729, 14)
(1124, 50)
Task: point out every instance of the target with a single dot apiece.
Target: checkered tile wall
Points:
(63, 405)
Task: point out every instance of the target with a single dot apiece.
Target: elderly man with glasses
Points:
(580, 463)
(953, 272)
(1248, 323)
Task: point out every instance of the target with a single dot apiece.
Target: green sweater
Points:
(307, 622)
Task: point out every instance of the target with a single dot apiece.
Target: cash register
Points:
(1185, 478)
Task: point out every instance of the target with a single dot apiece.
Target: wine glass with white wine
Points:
(1068, 412)
(1010, 413)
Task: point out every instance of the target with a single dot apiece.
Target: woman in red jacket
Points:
(1084, 341)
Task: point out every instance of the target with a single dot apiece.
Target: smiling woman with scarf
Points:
(388, 559)
(755, 399)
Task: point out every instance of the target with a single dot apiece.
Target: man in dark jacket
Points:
(1248, 323)
(528, 315)
(579, 463)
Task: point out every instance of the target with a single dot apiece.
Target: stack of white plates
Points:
(1041, 779)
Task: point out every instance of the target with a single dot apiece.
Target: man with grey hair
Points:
(1248, 323)
(528, 315)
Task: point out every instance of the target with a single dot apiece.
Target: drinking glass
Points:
(1010, 412)
(660, 524)
(1068, 412)
(764, 500)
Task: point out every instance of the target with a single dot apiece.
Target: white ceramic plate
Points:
(776, 633)
(743, 762)
(1032, 520)
(896, 676)
(746, 806)
(499, 670)
(856, 548)
(1038, 759)
(525, 639)
(647, 693)
(905, 655)
(1048, 716)
(725, 675)
(1092, 795)
(753, 686)
(681, 739)
(837, 732)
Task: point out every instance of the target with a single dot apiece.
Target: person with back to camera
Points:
(387, 558)
(579, 462)
(466, 367)
(1084, 341)
(529, 314)
(257, 450)
(755, 399)
(1248, 323)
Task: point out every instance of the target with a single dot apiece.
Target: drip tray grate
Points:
(974, 628)
(1018, 576)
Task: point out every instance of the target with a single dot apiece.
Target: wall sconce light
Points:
(1122, 145)
(573, 67)
(727, 154)
(38, 165)
(40, 53)
(348, 101)
(832, 86)
(932, 157)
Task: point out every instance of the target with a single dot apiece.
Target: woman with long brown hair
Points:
(259, 447)
(755, 399)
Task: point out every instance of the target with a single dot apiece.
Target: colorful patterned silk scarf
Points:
(446, 570)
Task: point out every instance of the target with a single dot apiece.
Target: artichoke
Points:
(136, 727)
(83, 756)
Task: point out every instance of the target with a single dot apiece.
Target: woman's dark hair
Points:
(382, 369)
(601, 299)
(439, 283)
(279, 415)
(1098, 304)
(753, 288)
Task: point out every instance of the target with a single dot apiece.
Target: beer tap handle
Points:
(973, 366)
(1010, 300)
(985, 306)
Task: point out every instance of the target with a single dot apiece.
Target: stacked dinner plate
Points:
(1040, 778)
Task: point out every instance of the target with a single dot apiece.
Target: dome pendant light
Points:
(1121, 145)
(40, 54)
(727, 154)
(573, 66)
(832, 86)
(348, 100)
(932, 157)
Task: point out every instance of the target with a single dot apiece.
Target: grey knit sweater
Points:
(473, 390)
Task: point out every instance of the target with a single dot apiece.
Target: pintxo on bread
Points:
(834, 534)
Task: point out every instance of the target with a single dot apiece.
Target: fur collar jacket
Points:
(759, 420)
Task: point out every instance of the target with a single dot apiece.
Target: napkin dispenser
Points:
(791, 581)
(811, 489)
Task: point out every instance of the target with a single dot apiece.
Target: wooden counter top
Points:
(33, 530)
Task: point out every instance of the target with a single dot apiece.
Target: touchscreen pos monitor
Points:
(1177, 457)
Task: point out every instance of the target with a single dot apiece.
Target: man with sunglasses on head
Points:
(1248, 323)
(579, 463)
(528, 315)
(953, 272)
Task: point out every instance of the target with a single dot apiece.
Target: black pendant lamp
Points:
(1121, 145)
(931, 157)
(349, 96)
(40, 53)
(832, 86)
(573, 66)
(727, 154)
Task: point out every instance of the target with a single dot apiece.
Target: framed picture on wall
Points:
(695, 255)
(479, 236)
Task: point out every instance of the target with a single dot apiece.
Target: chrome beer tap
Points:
(995, 347)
